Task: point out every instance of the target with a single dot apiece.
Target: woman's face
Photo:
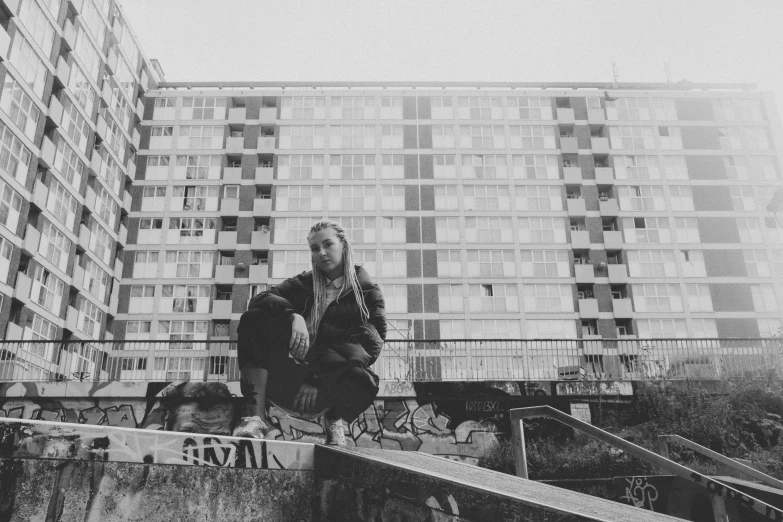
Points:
(327, 251)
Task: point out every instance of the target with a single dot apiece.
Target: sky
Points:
(458, 40)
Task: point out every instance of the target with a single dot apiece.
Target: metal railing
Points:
(413, 360)
(719, 492)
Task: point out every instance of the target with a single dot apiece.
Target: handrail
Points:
(726, 461)
(717, 489)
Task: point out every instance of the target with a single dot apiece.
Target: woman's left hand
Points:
(304, 401)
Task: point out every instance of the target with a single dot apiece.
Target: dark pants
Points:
(263, 342)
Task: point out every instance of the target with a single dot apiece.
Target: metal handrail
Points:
(663, 445)
(720, 492)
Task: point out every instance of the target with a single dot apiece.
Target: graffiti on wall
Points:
(211, 408)
(640, 493)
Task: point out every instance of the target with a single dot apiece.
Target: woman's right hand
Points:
(300, 338)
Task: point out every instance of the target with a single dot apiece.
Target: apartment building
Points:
(73, 80)
(485, 212)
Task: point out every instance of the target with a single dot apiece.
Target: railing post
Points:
(663, 448)
(518, 440)
(719, 509)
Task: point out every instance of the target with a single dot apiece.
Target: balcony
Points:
(96, 163)
(222, 309)
(580, 240)
(232, 175)
(224, 274)
(227, 240)
(111, 60)
(259, 274)
(260, 240)
(69, 36)
(229, 207)
(237, 115)
(266, 144)
(22, 287)
(63, 71)
(118, 268)
(127, 201)
(131, 169)
(584, 273)
(588, 308)
(609, 207)
(55, 111)
(267, 115)
(140, 109)
(576, 207)
(618, 274)
(5, 44)
(622, 308)
(71, 319)
(31, 239)
(114, 302)
(78, 277)
(106, 94)
(613, 240)
(264, 175)
(604, 176)
(40, 195)
(123, 235)
(565, 115)
(13, 332)
(569, 145)
(596, 117)
(84, 237)
(135, 139)
(101, 127)
(235, 145)
(262, 207)
(572, 175)
(89, 198)
(47, 153)
(599, 145)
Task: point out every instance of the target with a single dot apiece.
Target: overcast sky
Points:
(480, 40)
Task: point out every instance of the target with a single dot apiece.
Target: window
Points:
(450, 299)
(663, 109)
(628, 109)
(396, 298)
(729, 138)
(657, 298)
(92, 19)
(391, 108)
(486, 197)
(30, 67)
(351, 197)
(299, 167)
(101, 243)
(699, 297)
(393, 263)
(54, 246)
(756, 138)
(105, 206)
(115, 140)
(291, 230)
(452, 329)
(142, 299)
(353, 137)
(687, 230)
(493, 298)
(10, 204)
(756, 263)
(651, 263)
(391, 136)
(480, 108)
(74, 125)
(164, 109)
(181, 368)
(288, 263)
(302, 108)
(197, 197)
(6, 251)
(191, 230)
(642, 197)
(446, 197)
(392, 166)
(297, 198)
(442, 107)
(61, 204)
(302, 137)
(532, 137)
(137, 330)
(443, 166)
(484, 167)
(545, 263)
(197, 167)
(535, 166)
(20, 107)
(185, 299)
(184, 331)
(764, 298)
(542, 197)
(150, 231)
(393, 229)
(88, 55)
(203, 108)
(46, 289)
(520, 108)
(681, 197)
(157, 168)
(742, 198)
(736, 167)
(449, 264)
(636, 167)
(692, 262)
(110, 170)
(675, 167)
(41, 330)
(393, 197)
(491, 263)
(548, 298)
(542, 230)
(81, 88)
(200, 137)
(749, 230)
(123, 76)
(551, 329)
(187, 264)
(704, 328)
(495, 329)
(145, 264)
(442, 136)
(53, 6)
(724, 109)
(488, 230)
(14, 156)
(353, 108)
(631, 137)
(349, 166)
(359, 229)
(646, 230)
(366, 258)
(482, 137)
(769, 328)
(447, 230)
(89, 318)
(749, 109)
(670, 138)
(763, 167)
(662, 328)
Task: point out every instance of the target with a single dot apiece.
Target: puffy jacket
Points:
(342, 338)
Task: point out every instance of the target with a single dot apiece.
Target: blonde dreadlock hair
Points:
(350, 281)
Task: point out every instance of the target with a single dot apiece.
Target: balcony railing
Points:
(626, 359)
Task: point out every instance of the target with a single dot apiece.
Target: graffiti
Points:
(640, 493)
(397, 389)
(483, 406)
(594, 388)
(444, 511)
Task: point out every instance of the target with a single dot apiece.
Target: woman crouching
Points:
(307, 344)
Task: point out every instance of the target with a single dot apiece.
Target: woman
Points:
(307, 343)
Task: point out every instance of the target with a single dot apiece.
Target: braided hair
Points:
(350, 281)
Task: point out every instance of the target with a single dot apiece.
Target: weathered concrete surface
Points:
(453, 490)
(83, 491)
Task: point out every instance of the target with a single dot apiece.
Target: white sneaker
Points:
(251, 427)
(335, 433)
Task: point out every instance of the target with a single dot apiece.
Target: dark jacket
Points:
(342, 340)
